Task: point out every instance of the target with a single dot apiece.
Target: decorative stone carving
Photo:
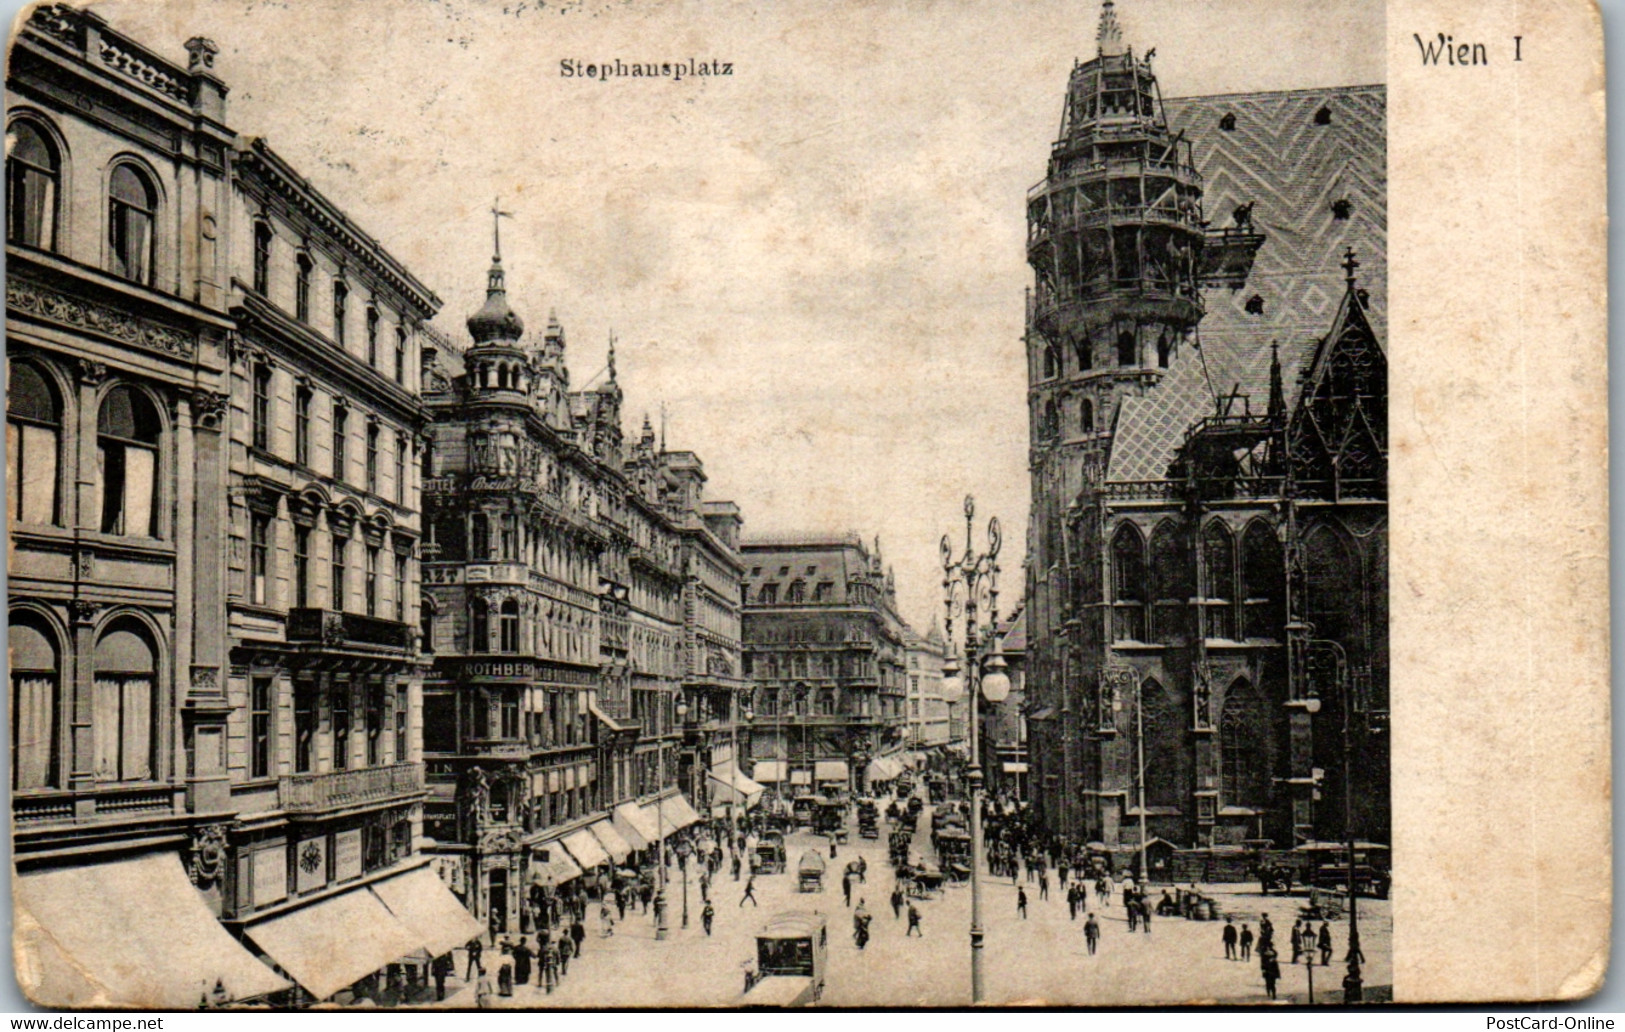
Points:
(84, 565)
(207, 408)
(206, 679)
(208, 855)
(91, 373)
(332, 628)
(83, 611)
(200, 54)
(122, 326)
(142, 71)
(1202, 698)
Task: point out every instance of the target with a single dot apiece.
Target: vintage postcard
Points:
(517, 504)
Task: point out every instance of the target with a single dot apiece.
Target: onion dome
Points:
(495, 321)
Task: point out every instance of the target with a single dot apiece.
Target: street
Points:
(1042, 959)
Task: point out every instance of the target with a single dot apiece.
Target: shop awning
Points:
(830, 770)
(612, 841)
(335, 942)
(735, 787)
(420, 901)
(557, 869)
(883, 769)
(801, 777)
(585, 849)
(637, 824)
(677, 812)
(768, 772)
(128, 933)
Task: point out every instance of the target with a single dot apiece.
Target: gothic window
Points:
(36, 703)
(1086, 416)
(1170, 582)
(262, 257)
(1165, 350)
(479, 626)
(123, 734)
(33, 177)
(1263, 582)
(1050, 425)
(1052, 362)
(301, 288)
(510, 626)
(1332, 589)
(1243, 732)
(33, 443)
(1219, 564)
(341, 298)
(341, 436)
(1128, 584)
(127, 449)
(1163, 721)
(1083, 347)
(1125, 348)
(131, 206)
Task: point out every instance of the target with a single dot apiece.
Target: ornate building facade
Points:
(826, 650)
(1207, 565)
(214, 705)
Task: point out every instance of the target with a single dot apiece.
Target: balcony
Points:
(314, 793)
(326, 627)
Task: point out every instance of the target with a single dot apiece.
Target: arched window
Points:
(1050, 426)
(132, 205)
(479, 626)
(1084, 348)
(36, 703)
(510, 626)
(33, 441)
(1128, 584)
(1171, 582)
(127, 441)
(1219, 566)
(1125, 348)
(262, 257)
(122, 714)
(1263, 582)
(33, 176)
(1165, 350)
(1243, 733)
(1052, 361)
(341, 300)
(1086, 416)
(301, 288)
(1167, 757)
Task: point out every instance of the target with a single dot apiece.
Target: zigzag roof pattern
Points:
(1292, 170)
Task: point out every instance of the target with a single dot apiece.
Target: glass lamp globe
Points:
(682, 710)
(953, 686)
(995, 682)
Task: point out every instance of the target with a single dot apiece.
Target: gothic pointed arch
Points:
(1172, 583)
(1219, 580)
(1263, 583)
(1244, 777)
(1128, 583)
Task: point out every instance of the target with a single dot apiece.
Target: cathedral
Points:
(1207, 646)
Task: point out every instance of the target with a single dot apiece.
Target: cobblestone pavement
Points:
(1041, 959)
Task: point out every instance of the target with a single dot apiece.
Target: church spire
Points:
(1110, 35)
(495, 321)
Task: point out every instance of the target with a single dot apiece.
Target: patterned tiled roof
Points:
(1292, 171)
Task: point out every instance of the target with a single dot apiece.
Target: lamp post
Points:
(683, 850)
(1353, 984)
(971, 575)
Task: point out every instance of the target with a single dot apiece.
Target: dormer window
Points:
(1228, 123)
(1255, 305)
(1341, 208)
(1323, 116)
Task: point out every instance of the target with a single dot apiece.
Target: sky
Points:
(814, 265)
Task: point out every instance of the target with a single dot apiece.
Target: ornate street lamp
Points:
(965, 581)
(1353, 984)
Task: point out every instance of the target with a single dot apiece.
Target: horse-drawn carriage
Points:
(898, 846)
(810, 872)
(868, 819)
(790, 958)
(920, 880)
(953, 850)
(769, 855)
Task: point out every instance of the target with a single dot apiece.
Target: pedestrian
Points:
(1061, 871)
(1145, 913)
(707, 915)
(705, 886)
(846, 888)
(1072, 902)
(1091, 932)
(563, 946)
(1246, 942)
(1021, 903)
(750, 893)
(1297, 942)
(646, 892)
(896, 902)
(860, 925)
(578, 932)
(606, 921)
(1229, 937)
(1043, 883)
(550, 967)
(442, 967)
(914, 922)
(475, 948)
(1271, 971)
(736, 866)
(1266, 933)
(505, 971)
(522, 956)
(1325, 942)
(482, 989)
(619, 893)
(1130, 912)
